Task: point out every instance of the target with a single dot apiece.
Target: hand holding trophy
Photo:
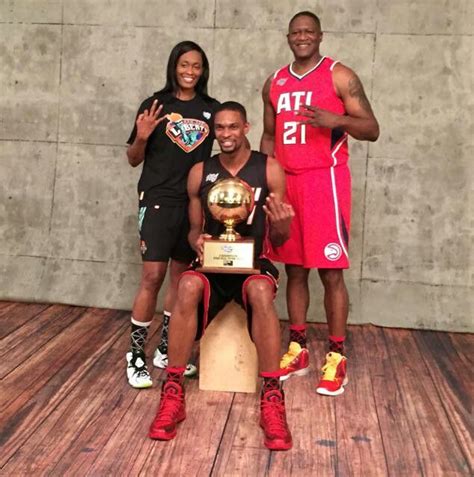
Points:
(230, 201)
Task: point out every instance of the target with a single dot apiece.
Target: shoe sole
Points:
(325, 392)
(141, 386)
(278, 446)
(300, 372)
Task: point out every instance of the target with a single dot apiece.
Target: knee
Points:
(332, 278)
(152, 280)
(259, 293)
(190, 289)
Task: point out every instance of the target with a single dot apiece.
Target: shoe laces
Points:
(171, 402)
(273, 413)
(293, 351)
(140, 367)
(329, 370)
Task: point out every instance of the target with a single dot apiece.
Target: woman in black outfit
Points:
(172, 132)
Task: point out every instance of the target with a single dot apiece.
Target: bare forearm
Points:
(267, 144)
(363, 129)
(193, 237)
(136, 152)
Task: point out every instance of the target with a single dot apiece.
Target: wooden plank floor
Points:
(66, 408)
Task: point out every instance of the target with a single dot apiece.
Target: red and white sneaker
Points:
(333, 375)
(273, 421)
(170, 412)
(295, 361)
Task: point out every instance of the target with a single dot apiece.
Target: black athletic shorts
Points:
(164, 233)
(221, 288)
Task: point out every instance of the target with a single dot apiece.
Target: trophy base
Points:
(222, 256)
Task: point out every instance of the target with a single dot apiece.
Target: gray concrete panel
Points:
(74, 85)
(243, 80)
(99, 67)
(418, 305)
(417, 221)
(88, 283)
(29, 81)
(107, 72)
(26, 196)
(428, 109)
(31, 11)
(20, 277)
(344, 15)
(181, 14)
(95, 212)
(452, 17)
(358, 171)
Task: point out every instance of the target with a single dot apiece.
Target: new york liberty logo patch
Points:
(187, 133)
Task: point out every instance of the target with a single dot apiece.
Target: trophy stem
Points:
(230, 235)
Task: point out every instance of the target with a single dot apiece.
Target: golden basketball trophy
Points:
(230, 201)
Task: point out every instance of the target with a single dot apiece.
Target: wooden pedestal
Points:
(228, 358)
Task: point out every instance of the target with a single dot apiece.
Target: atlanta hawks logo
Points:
(332, 251)
(187, 133)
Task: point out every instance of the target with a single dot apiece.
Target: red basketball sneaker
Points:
(333, 375)
(295, 361)
(273, 421)
(170, 412)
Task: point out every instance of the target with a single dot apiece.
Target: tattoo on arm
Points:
(356, 90)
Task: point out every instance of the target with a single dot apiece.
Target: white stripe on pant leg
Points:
(334, 193)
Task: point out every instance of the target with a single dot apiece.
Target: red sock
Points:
(298, 334)
(271, 380)
(336, 344)
(176, 375)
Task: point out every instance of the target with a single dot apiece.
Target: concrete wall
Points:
(74, 72)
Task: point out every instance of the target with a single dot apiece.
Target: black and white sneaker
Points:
(137, 371)
(191, 370)
(160, 360)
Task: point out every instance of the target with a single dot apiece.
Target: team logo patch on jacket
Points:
(187, 133)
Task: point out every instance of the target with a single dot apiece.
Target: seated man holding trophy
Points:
(245, 189)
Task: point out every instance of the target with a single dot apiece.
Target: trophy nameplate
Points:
(230, 201)
(222, 256)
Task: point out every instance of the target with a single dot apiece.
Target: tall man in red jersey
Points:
(310, 108)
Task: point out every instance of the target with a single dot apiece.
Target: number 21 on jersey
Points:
(294, 132)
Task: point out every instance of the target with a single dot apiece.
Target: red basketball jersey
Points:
(301, 147)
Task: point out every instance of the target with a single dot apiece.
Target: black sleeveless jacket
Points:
(254, 172)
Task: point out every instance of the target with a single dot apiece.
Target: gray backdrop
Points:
(74, 72)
